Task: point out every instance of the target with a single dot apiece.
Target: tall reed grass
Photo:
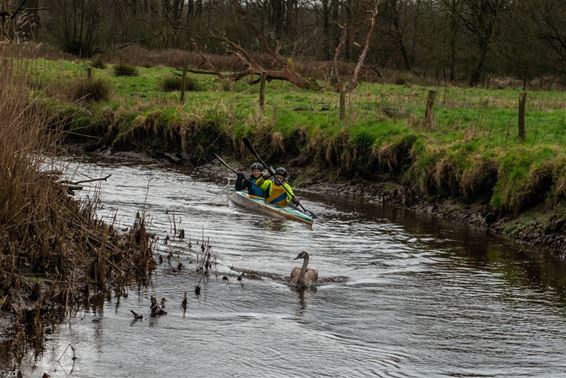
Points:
(54, 252)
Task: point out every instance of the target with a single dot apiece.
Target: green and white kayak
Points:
(258, 205)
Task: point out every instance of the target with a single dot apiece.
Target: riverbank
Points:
(468, 158)
(56, 255)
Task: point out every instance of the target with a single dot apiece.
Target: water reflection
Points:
(301, 297)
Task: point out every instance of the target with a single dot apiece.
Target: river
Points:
(400, 295)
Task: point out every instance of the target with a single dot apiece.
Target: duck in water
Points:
(303, 277)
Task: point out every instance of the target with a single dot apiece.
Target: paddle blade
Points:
(311, 214)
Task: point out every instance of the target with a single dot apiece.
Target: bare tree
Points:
(76, 25)
(550, 19)
(348, 86)
(480, 18)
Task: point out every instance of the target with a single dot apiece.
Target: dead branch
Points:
(141, 40)
(354, 82)
(260, 38)
(335, 75)
(18, 10)
(374, 68)
(286, 73)
(335, 78)
(204, 58)
(84, 181)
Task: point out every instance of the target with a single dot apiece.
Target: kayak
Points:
(258, 205)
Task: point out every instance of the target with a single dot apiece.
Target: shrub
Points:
(125, 70)
(173, 83)
(98, 63)
(94, 90)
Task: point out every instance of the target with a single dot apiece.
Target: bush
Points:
(125, 70)
(173, 83)
(94, 90)
(98, 63)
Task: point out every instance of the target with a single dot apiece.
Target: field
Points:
(472, 153)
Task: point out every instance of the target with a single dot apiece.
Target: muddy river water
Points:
(400, 295)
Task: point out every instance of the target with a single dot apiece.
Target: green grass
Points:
(472, 125)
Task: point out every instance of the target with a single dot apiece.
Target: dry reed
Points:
(54, 252)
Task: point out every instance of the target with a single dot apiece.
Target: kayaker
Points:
(275, 194)
(249, 184)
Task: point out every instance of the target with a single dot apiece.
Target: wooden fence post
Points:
(522, 106)
(183, 85)
(428, 121)
(2, 28)
(262, 93)
(342, 106)
(89, 74)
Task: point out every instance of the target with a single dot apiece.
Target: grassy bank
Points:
(472, 153)
(55, 255)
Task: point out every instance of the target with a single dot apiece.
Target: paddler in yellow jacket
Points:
(276, 194)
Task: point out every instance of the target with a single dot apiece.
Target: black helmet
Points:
(281, 171)
(257, 165)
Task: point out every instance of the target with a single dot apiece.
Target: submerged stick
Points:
(85, 181)
(65, 351)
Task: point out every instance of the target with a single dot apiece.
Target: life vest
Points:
(253, 189)
(276, 195)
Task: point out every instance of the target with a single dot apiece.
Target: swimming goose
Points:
(304, 276)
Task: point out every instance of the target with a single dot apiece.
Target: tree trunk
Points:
(335, 15)
(400, 37)
(522, 106)
(291, 21)
(453, 39)
(326, 27)
(349, 26)
(277, 17)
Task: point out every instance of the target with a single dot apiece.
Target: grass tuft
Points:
(125, 70)
(174, 83)
(97, 62)
(91, 90)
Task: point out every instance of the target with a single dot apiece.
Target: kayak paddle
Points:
(226, 164)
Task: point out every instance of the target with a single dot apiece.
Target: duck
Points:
(304, 276)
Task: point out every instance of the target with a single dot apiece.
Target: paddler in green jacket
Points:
(275, 194)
